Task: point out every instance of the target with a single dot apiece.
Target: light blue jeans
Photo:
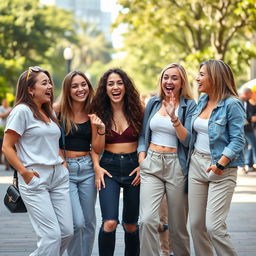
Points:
(83, 198)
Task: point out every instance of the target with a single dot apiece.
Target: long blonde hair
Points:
(221, 79)
(64, 102)
(186, 91)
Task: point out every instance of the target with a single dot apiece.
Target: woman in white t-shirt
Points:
(43, 180)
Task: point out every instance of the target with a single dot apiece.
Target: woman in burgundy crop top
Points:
(81, 135)
(118, 104)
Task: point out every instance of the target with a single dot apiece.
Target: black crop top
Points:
(80, 139)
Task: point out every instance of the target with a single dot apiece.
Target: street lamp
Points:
(68, 56)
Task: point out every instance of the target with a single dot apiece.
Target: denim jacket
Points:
(225, 129)
(152, 107)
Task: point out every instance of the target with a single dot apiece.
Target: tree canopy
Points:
(28, 32)
(187, 31)
(35, 34)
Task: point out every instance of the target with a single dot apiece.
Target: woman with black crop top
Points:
(81, 133)
(118, 105)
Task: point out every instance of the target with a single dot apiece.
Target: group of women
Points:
(65, 152)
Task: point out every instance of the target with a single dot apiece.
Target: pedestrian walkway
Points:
(17, 237)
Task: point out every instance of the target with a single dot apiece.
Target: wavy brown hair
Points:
(63, 105)
(133, 108)
(27, 80)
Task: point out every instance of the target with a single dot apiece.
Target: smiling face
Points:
(115, 88)
(171, 82)
(79, 89)
(42, 90)
(203, 81)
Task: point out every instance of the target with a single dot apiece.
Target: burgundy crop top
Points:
(126, 137)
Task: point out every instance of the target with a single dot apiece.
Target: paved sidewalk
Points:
(17, 237)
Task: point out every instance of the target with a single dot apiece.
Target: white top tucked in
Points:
(202, 143)
(39, 141)
(163, 133)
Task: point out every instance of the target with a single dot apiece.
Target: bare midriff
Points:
(75, 154)
(162, 149)
(122, 148)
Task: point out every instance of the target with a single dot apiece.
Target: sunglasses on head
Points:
(33, 69)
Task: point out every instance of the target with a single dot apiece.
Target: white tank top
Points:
(202, 143)
(163, 133)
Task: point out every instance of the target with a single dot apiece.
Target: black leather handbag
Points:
(12, 199)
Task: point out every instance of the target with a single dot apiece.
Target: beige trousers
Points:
(161, 173)
(209, 202)
(165, 240)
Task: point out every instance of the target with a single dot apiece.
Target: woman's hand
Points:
(170, 106)
(28, 175)
(141, 157)
(136, 180)
(99, 177)
(95, 120)
(214, 169)
(65, 164)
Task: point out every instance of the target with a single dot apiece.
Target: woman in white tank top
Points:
(162, 155)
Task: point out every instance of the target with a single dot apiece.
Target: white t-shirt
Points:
(39, 142)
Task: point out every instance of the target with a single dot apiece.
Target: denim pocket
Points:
(105, 160)
(220, 126)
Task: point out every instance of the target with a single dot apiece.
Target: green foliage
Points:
(28, 32)
(90, 47)
(186, 31)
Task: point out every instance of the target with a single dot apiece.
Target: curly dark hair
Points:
(133, 108)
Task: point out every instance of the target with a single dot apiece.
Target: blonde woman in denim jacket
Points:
(162, 149)
(217, 142)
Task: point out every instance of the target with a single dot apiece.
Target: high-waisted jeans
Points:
(120, 166)
(83, 198)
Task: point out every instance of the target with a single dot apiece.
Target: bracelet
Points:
(220, 166)
(176, 125)
(174, 121)
(101, 134)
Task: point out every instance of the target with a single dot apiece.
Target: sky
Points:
(106, 6)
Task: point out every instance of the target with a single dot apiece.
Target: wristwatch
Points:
(220, 166)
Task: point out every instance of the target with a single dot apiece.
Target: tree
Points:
(189, 31)
(90, 47)
(28, 33)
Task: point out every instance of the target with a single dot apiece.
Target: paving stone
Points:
(17, 237)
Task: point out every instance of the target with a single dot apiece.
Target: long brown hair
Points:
(133, 108)
(27, 80)
(221, 79)
(64, 102)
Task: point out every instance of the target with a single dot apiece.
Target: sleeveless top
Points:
(78, 139)
(126, 137)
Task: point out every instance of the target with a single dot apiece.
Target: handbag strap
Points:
(15, 177)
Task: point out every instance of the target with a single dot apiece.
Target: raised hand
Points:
(170, 105)
(95, 120)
